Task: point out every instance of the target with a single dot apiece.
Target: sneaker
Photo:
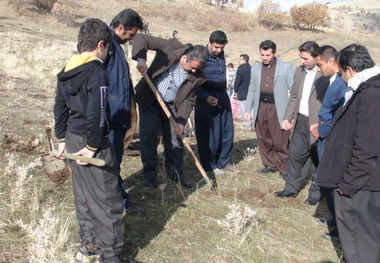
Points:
(217, 171)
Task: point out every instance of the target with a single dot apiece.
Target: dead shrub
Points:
(46, 5)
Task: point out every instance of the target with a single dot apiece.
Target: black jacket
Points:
(81, 103)
(242, 79)
(351, 155)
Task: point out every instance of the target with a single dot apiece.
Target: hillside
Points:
(243, 223)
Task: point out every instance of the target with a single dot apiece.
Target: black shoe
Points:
(134, 209)
(332, 235)
(311, 201)
(267, 170)
(284, 193)
(327, 223)
(186, 185)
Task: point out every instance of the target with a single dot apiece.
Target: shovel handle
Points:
(90, 160)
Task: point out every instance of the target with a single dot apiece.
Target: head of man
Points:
(94, 36)
(326, 61)
(126, 24)
(230, 66)
(267, 50)
(308, 52)
(353, 59)
(244, 58)
(194, 58)
(217, 41)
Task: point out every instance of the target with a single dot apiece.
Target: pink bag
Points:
(235, 108)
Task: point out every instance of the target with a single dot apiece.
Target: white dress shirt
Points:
(307, 85)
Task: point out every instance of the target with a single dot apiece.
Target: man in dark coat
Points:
(213, 116)
(243, 76)
(351, 159)
(176, 75)
(328, 66)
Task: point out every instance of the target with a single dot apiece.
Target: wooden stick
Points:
(174, 124)
(90, 160)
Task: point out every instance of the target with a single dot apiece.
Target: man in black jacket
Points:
(351, 162)
(81, 113)
(243, 76)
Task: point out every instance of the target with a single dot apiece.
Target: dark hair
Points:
(218, 37)
(230, 65)
(128, 18)
(326, 52)
(197, 53)
(91, 32)
(309, 46)
(245, 57)
(268, 44)
(356, 57)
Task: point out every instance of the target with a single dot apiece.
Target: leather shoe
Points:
(284, 193)
(186, 185)
(311, 201)
(267, 170)
(332, 235)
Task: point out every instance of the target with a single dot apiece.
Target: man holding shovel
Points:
(175, 73)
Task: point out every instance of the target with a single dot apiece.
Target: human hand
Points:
(247, 116)
(84, 152)
(314, 130)
(179, 129)
(61, 150)
(287, 125)
(212, 101)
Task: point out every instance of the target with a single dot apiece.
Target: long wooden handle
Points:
(174, 124)
(90, 160)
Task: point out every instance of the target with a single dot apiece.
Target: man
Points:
(243, 76)
(213, 117)
(305, 100)
(125, 26)
(81, 113)
(351, 159)
(175, 73)
(334, 97)
(268, 92)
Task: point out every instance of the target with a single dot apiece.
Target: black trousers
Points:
(98, 199)
(152, 119)
(214, 130)
(303, 160)
(358, 221)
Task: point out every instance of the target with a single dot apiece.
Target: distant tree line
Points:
(308, 16)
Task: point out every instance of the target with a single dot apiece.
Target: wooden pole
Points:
(174, 124)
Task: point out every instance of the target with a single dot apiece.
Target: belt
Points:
(267, 97)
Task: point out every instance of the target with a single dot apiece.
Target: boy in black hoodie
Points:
(81, 114)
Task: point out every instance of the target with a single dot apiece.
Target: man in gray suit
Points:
(303, 107)
(268, 94)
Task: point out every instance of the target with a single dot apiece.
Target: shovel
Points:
(53, 152)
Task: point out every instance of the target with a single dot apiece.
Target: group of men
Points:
(93, 113)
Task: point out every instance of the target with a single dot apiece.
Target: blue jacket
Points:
(334, 97)
(120, 87)
(216, 82)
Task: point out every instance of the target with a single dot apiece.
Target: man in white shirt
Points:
(305, 100)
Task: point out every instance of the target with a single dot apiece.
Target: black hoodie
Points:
(81, 103)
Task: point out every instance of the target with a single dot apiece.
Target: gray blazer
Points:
(283, 82)
(317, 93)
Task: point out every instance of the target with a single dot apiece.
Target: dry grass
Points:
(37, 222)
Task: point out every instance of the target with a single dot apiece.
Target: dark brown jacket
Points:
(317, 93)
(351, 158)
(168, 51)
